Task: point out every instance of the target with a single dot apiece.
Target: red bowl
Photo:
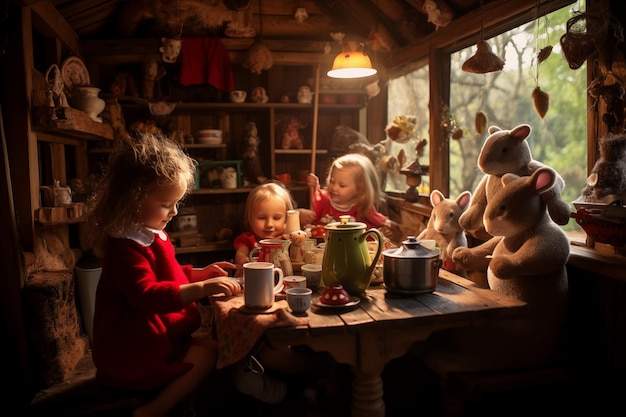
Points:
(334, 295)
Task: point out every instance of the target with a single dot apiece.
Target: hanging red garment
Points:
(206, 61)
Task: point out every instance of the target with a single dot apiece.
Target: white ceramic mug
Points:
(299, 299)
(259, 287)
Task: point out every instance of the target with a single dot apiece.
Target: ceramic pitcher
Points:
(275, 251)
(346, 259)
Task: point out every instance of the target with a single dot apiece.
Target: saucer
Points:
(353, 301)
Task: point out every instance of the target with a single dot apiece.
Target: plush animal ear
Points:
(463, 199)
(592, 179)
(436, 197)
(543, 179)
(520, 132)
(493, 129)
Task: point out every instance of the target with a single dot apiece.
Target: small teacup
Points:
(313, 275)
(294, 281)
(299, 299)
(238, 96)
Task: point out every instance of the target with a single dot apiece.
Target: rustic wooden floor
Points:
(410, 390)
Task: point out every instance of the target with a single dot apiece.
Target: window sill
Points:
(600, 260)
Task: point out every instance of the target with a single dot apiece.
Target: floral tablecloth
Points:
(238, 329)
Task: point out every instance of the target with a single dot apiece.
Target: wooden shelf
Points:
(299, 151)
(70, 122)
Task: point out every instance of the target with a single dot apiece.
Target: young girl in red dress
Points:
(145, 310)
(353, 188)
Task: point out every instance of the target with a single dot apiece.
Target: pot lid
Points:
(412, 248)
(349, 226)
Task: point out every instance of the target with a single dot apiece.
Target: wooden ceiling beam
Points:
(48, 20)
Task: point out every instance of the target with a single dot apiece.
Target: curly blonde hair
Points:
(136, 168)
(367, 181)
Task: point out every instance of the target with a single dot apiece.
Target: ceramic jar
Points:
(85, 98)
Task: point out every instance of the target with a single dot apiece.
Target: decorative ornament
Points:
(258, 57)
(439, 14)
(483, 61)
(480, 122)
(541, 101)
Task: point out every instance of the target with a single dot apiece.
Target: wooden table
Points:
(383, 326)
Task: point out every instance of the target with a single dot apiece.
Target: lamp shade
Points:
(351, 64)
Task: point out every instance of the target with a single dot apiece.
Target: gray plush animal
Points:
(529, 254)
(507, 151)
(607, 181)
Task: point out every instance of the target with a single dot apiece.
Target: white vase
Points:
(85, 98)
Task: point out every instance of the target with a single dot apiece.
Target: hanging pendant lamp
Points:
(352, 62)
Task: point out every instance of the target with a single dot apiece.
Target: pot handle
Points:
(375, 233)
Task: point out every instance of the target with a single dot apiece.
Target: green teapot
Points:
(346, 258)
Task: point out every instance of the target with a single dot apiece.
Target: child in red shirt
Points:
(145, 310)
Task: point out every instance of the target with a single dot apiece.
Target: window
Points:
(410, 97)
(558, 140)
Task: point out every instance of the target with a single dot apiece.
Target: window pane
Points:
(409, 95)
(558, 140)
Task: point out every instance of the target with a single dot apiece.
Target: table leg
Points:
(367, 394)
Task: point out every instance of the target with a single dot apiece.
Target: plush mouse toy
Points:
(443, 226)
(529, 254)
(507, 151)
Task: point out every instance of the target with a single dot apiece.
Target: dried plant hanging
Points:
(483, 61)
(541, 99)
(480, 122)
(259, 57)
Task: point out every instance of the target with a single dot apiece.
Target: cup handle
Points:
(279, 285)
(252, 252)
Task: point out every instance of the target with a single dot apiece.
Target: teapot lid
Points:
(345, 225)
(412, 248)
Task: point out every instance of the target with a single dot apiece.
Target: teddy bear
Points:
(443, 226)
(607, 180)
(296, 248)
(528, 259)
(291, 138)
(507, 151)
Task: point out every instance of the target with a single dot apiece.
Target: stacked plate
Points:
(209, 136)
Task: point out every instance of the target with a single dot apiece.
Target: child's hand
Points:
(217, 269)
(312, 181)
(306, 216)
(221, 285)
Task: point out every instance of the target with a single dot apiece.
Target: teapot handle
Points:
(378, 236)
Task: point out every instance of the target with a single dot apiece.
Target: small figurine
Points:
(259, 95)
(305, 96)
(291, 137)
(153, 72)
(55, 93)
(251, 160)
(296, 248)
(170, 49)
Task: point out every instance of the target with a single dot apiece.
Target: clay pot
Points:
(85, 98)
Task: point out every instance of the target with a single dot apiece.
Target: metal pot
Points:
(412, 268)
